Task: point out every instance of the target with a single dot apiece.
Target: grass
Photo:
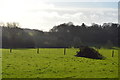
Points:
(0, 63)
(52, 63)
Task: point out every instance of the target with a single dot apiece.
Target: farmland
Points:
(52, 63)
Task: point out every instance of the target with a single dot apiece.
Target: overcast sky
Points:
(44, 14)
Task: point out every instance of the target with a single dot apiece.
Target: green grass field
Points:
(52, 63)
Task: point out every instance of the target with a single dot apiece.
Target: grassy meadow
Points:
(52, 63)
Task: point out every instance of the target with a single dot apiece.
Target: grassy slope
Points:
(0, 63)
(51, 63)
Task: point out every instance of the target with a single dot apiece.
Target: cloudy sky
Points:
(44, 14)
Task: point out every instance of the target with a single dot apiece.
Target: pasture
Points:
(52, 63)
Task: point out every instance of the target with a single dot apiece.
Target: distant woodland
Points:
(63, 35)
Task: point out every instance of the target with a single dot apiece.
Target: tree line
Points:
(61, 36)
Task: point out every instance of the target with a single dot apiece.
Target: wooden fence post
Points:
(113, 53)
(37, 50)
(64, 51)
(10, 50)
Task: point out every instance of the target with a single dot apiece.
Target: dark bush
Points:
(89, 53)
